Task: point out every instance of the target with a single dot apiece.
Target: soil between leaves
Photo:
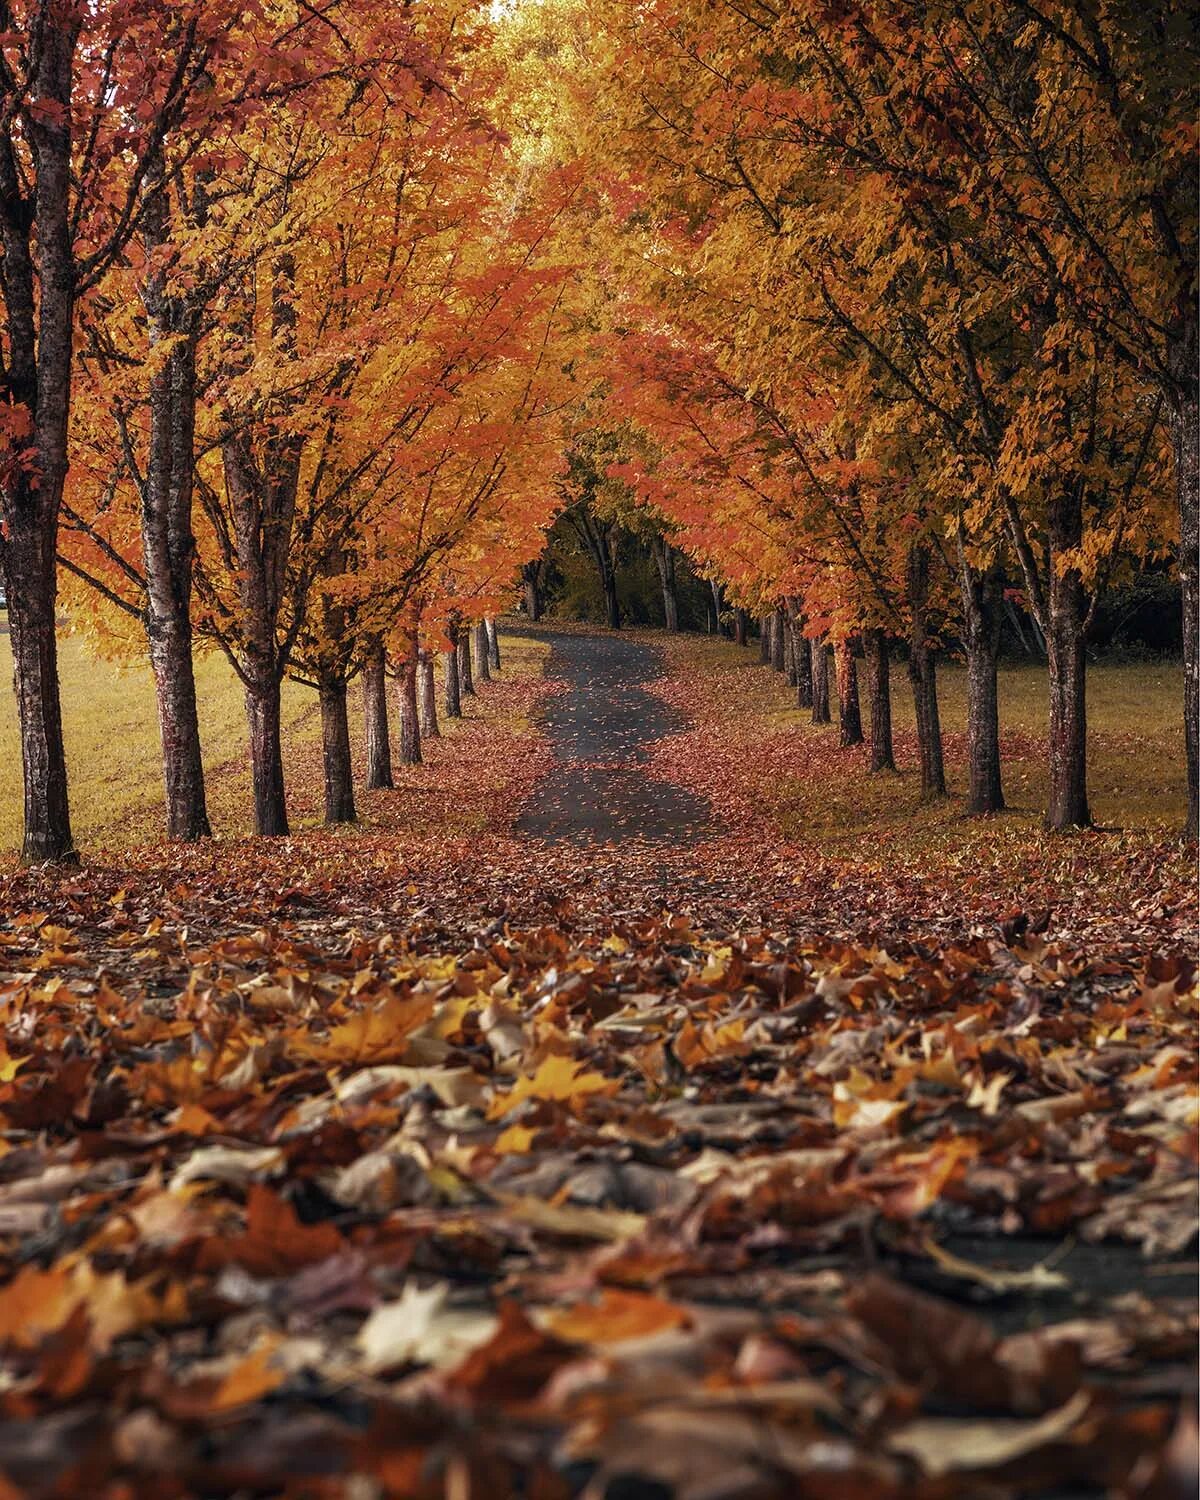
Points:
(485, 1166)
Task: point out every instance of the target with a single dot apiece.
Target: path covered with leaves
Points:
(373, 1166)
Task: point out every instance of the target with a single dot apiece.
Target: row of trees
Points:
(283, 360)
(905, 323)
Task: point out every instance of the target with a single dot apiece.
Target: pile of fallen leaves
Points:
(645, 1210)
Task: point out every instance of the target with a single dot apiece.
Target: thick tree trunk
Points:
(849, 708)
(778, 643)
(982, 596)
(764, 639)
(375, 721)
(804, 677)
(740, 627)
(1066, 609)
(170, 643)
(466, 682)
(493, 643)
(483, 666)
(266, 758)
(791, 664)
(453, 698)
(335, 752)
(1185, 441)
(922, 673)
(531, 579)
(410, 713)
(427, 691)
(879, 678)
(819, 655)
(664, 561)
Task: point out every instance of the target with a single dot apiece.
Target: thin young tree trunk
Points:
(879, 676)
(1185, 441)
(428, 694)
(453, 687)
(740, 627)
(266, 757)
(982, 596)
(849, 709)
(715, 585)
(922, 673)
(778, 644)
(1066, 609)
(664, 561)
(790, 663)
(483, 667)
(611, 603)
(375, 720)
(410, 713)
(493, 643)
(335, 751)
(819, 656)
(466, 682)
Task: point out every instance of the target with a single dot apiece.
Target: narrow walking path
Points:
(601, 726)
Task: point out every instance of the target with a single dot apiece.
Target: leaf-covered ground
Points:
(458, 1165)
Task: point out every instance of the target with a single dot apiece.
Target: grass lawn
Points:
(110, 725)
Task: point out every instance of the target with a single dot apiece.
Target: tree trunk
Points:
(531, 578)
(410, 713)
(819, 656)
(427, 691)
(1185, 438)
(922, 673)
(375, 719)
(764, 639)
(849, 709)
(740, 627)
(791, 666)
(879, 677)
(804, 676)
(266, 758)
(1066, 608)
(664, 561)
(778, 648)
(715, 585)
(982, 596)
(612, 606)
(335, 749)
(466, 683)
(483, 667)
(453, 699)
(493, 643)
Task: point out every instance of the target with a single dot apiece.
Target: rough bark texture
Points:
(428, 696)
(531, 578)
(982, 598)
(880, 683)
(453, 697)
(764, 639)
(375, 722)
(790, 662)
(493, 644)
(819, 656)
(1185, 439)
(741, 627)
(1066, 609)
(778, 652)
(335, 752)
(410, 714)
(36, 375)
(664, 561)
(849, 708)
(922, 673)
(266, 758)
(466, 682)
(804, 677)
(479, 641)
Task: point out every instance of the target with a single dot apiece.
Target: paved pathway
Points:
(601, 728)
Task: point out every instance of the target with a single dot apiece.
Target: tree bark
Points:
(1066, 609)
(922, 673)
(266, 757)
(483, 667)
(879, 678)
(764, 639)
(664, 561)
(982, 597)
(819, 655)
(375, 720)
(804, 677)
(453, 688)
(531, 579)
(778, 651)
(718, 603)
(849, 708)
(466, 682)
(335, 751)
(740, 627)
(410, 713)
(791, 666)
(1183, 353)
(428, 695)
(493, 643)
